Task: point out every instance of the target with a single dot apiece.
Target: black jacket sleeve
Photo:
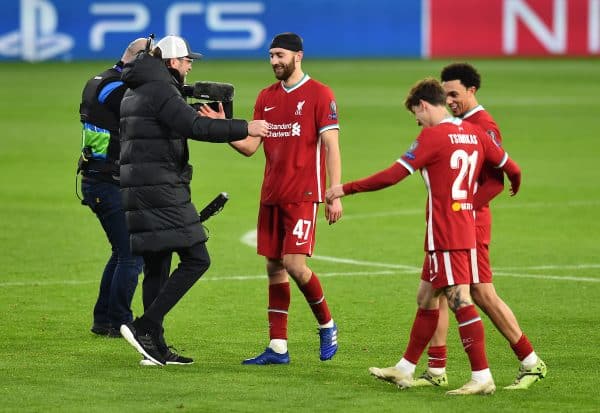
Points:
(219, 130)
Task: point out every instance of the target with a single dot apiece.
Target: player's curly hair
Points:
(429, 89)
(464, 72)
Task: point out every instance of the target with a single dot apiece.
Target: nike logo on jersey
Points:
(298, 244)
(268, 108)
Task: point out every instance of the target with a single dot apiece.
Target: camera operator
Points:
(99, 166)
(156, 122)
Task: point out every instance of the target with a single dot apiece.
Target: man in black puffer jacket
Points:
(155, 124)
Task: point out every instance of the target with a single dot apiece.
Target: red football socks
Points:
(279, 303)
(313, 292)
(421, 333)
(471, 333)
(437, 357)
(522, 348)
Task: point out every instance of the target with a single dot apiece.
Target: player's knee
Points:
(484, 295)
(299, 273)
(297, 270)
(422, 299)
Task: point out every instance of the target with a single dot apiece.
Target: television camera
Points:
(211, 93)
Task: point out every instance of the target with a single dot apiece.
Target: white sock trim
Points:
(278, 345)
(328, 324)
(406, 366)
(530, 361)
(481, 376)
(437, 371)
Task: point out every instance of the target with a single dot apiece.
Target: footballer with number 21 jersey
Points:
(449, 152)
(450, 156)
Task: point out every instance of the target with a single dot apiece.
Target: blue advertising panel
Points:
(37, 30)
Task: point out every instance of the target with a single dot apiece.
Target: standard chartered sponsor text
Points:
(280, 130)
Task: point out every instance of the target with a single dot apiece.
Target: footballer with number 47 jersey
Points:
(297, 115)
(301, 150)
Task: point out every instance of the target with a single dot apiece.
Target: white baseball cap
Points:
(173, 47)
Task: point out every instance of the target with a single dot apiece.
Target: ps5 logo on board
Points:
(37, 38)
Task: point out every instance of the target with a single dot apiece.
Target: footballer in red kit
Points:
(461, 82)
(301, 151)
(449, 156)
(449, 153)
(297, 116)
(489, 184)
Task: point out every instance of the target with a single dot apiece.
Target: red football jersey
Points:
(295, 156)
(483, 119)
(449, 156)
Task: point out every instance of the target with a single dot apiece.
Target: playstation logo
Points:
(37, 38)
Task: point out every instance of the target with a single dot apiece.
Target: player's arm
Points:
(375, 182)
(498, 157)
(333, 164)
(492, 185)
(246, 147)
(513, 172)
(491, 180)
(250, 145)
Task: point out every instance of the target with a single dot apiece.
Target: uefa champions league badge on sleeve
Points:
(492, 135)
(410, 152)
(333, 110)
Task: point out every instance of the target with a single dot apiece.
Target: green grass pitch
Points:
(545, 251)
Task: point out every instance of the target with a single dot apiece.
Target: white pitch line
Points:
(205, 278)
(321, 275)
(401, 271)
(249, 239)
(44, 283)
(366, 263)
(548, 277)
(552, 267)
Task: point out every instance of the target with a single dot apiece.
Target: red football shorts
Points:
(286, 229)
(482, 273)
(445, 268)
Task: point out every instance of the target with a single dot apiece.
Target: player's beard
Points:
(283, 71)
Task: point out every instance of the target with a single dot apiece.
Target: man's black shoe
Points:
(113, 333)
(168, 353)
(100, 329)
(171, 358)
(105, 330)
(144, 341)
